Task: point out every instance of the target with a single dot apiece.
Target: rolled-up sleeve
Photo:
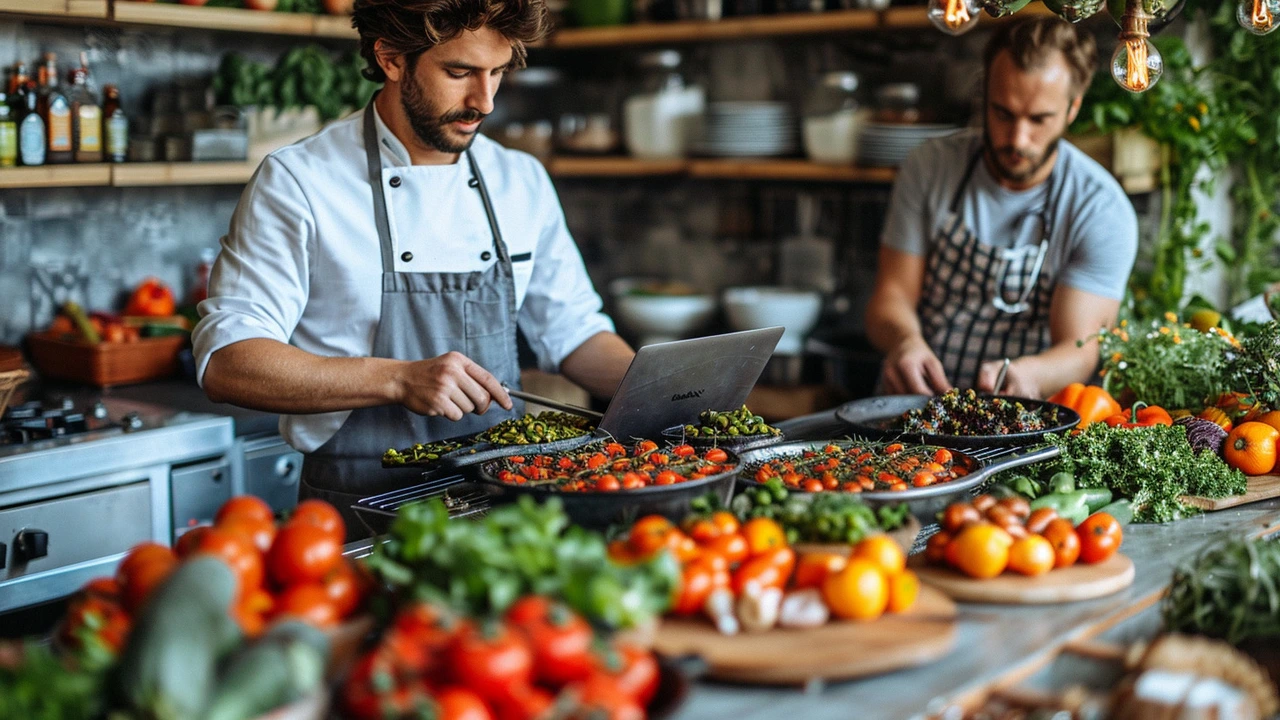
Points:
(561, 309)
(260, 282)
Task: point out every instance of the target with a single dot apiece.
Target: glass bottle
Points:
(56, 113)
(8, 133)
(31, 132)
(115, 126)
(18, 90)
(86, 116)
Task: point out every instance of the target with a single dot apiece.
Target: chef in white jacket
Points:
(375, 274)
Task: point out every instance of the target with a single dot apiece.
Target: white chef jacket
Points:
(302, 263)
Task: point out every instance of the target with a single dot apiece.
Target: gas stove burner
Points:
(34, 420)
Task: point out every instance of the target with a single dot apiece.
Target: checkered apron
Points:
(981, 302)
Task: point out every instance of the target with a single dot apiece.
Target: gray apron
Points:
(982, 302)
(423, 315)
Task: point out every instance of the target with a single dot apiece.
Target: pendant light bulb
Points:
(1136, 64)
(1258, 16)
(954, 17)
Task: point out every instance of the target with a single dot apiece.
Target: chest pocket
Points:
(522, 273)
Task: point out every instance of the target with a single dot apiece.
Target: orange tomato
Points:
(682, 547)
(245, 506)
(620, 552)
(322, 515)
(957, 515)
(1032, 555)
(142, 578)
(883, 551)
(1100, 537)
(302, 553)
(731, 546)
(1061, 534)
(1016, 505)
(649, 535)
(702, 530)
(344, 588)
(984, 502)
(1271, 418)
(904, 588)
(1251, 448)
(763, 535)
(935, 551)
(813, 569)
(772, 569)
(308, 602)
(239, 553)
(142, 553)
(726, 521)
(190, 540)
(259, 532)
(858, 592)
(982, 550)
(1040, 519)
(697, 581)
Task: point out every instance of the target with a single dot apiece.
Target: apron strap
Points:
(964, 181)
(477, 181)
(373, 156)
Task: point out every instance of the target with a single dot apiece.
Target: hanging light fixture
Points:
(1258, 16)
(1136, 64)
(954, 17)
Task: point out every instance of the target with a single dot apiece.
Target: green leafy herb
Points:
(1255, 369)
(1163, 362)
(1230, 590)
(305, 76)
(34, 685)
(1152, 466)
(480, 567)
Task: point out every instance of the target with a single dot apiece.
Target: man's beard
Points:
(998, 153)
(431, 127)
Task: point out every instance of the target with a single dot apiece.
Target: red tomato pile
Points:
(295, 569)
(541, 660)
(863, 468)
(611, 467)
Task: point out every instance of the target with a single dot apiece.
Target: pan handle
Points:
(1048, 452)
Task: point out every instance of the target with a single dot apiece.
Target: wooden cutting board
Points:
(1259, 487)
(835, 651)
(1078, 582)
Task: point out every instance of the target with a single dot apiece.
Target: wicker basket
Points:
(105, 364)
(9, 381)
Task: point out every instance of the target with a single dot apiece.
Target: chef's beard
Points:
(432, 127)
(998, 157)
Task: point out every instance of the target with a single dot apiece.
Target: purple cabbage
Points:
(1203, 434)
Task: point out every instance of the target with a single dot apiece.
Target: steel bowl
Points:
(873, 417)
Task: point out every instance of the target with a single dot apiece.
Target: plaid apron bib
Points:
(982, 302)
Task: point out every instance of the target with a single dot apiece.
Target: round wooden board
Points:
(839, 650)
(1078, 582)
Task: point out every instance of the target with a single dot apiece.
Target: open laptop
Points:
(669, 383)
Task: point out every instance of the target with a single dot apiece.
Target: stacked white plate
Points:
(887, 145)
(748, 129)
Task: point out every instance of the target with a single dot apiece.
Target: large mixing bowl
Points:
(748, 308)
(657, 317)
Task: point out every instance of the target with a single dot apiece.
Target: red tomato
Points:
(601, 697)
(259, 532)
(489, 663)
(142, 553)
(303, 552)
(420, 637)
(529, 610)
(525, 702)
(252, 507)
(308, 602)
(634, 670)
(103, 587)
(649, 534)
(732, 547)
(456, 703)
(322, 515)
(771, 569)
(561, 646)
(190, 539)
(94, 618)
(142, 579)
(237, 551)
(1100, 537)
(344, 588)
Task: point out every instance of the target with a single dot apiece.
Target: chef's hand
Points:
(451, 385)
(912, 368)
(1017, 382)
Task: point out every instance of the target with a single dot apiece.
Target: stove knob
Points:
(132, 421)
(30, 545)
(99, 411)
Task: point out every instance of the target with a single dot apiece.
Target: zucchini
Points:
(282, 666)
(1096, 498)
(1121, 510)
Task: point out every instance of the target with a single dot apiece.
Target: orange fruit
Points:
(858, 592)
(1251, 448)
(1270, 418)
(904, 588)
(1032, 555)
(981, 550)
(883, 551)
(763, 535)
(813, 569)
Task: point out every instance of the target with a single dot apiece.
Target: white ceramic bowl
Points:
(659, 318)
(796, 311)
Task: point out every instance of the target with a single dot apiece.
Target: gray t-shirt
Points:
(1094, 236)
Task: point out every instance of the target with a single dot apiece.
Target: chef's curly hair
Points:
(412, 27)
(1031, 42)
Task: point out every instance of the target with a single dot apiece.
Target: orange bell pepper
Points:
(1140, 415)
(152, 298)
(1092, 402)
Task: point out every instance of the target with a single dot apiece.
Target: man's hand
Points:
(1018, 382)
(913, 368)
(451, 385)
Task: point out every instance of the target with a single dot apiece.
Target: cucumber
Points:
(1121, 510)
(1096, 498)
(255, 681)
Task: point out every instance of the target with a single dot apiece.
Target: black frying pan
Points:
(925, 501)
(874, 418)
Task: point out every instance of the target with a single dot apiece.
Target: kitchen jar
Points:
(832, 119)
(524, 115)
(898, 103)
(661, 120)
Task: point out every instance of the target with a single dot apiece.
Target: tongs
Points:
(554, 404)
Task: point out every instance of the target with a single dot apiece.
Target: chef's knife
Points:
(554, 404)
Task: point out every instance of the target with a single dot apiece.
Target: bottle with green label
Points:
(8, 133)
(31, 135)
(55, 110)
(115, 126)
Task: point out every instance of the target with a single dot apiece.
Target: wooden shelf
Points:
(800, 170)
(334, 26)
(708, 30)
(47, 176)
(189, 173)
(613, 166)
(914, 17)
(213, 18)
(58, 9)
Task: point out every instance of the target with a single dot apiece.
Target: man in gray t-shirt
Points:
(1005, 242)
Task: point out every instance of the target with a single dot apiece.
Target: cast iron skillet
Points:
(477, 452)
(599, 510)
(738, 444)
(874, 417)
(924, 502)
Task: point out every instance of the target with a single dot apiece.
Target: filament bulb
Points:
(1258, 16)
(954, 17)
(1136, 64)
